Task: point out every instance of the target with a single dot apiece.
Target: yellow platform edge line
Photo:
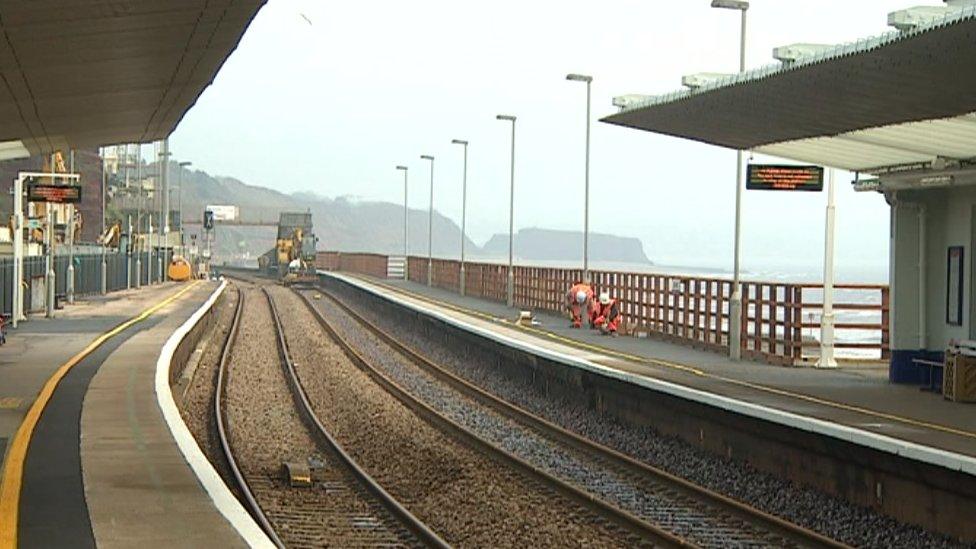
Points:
(13, 466)
(684, 367)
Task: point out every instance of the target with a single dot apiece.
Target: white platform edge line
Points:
(904, 448)
(223, 499)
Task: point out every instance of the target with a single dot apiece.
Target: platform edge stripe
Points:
(219, 493)
(885, 443)
(605, 351)
(13, 466)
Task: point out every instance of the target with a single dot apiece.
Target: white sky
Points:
(334, 106)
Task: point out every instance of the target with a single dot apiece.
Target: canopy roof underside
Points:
(86, 73)
(900, 99)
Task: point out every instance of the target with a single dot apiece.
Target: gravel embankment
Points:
(655, 502)
(810, 508)
(266, 430)
(467, 498)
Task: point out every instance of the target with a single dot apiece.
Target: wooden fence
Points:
(780, 320)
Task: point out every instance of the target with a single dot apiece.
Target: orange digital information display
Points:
(57, 194)
(781, 177)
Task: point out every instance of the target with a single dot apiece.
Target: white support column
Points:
(50, 277)
(149, 278)
(17, 309)
(826, 359)
(69, 239)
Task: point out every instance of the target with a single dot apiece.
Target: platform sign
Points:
(56, 194)
(783, 177)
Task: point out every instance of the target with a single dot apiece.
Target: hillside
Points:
(350, 225)
(551, 245)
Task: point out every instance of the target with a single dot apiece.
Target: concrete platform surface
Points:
(40, 346)
(138, 487)
(858, 397)
(99, 465)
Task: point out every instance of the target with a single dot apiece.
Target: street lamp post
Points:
(164, 210)
(179, 200)
(464, 208)
(735, 303)
(430, 224)
(586, 177)
(406, 213)
(510, 294)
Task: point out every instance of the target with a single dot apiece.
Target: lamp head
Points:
(459, 142)
(508, 117)
(741, 5)
(404, 168)
(185, 164)
(427, 157)
(579, 78)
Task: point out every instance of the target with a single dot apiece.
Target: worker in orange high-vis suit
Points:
(579, 299)
(608, 315)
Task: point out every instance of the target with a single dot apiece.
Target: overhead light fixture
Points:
(866, 185)
(794, 52)
(731, 4)
(911, 18)
(579, 77)
(936, 181)
(701, 79)
(630, 100)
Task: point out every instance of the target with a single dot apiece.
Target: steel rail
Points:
(620, 517)
(424, 534)
(219, 413)
(786, 529)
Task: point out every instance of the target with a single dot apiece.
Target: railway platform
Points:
(91, 456)
(857, 395)
(846, 431)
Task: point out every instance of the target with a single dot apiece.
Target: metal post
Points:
(128, 255)
(69, 238)
(406, 213)
(586, 176)
(50, 277)
(464, 211)
(826, 359)
(735, 303)
(164, 220)
(17, 310)
(586, 191)
(49, 274)
(139, 250)
(149, 273)
(182, 165)
(510, 290)
(104, 281)
(430, 224)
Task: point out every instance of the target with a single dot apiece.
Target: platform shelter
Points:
(898, 110)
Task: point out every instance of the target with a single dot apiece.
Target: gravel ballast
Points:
(641, 495)
(467, 498)
(266, 430)
(810, 508)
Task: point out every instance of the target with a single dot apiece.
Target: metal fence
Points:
(88, 276)
(780, 321)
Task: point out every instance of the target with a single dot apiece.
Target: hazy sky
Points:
(333, 106)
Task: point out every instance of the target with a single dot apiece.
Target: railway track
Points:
(616, 484)
(344, 505)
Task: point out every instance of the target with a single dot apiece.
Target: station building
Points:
(899, 111)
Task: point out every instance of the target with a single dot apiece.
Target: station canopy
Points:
(78, 74)
(893, 101)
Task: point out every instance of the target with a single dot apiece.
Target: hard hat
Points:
(604, 298)
(581, 297)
